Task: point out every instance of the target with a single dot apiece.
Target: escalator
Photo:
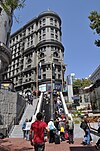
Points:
(44, 106)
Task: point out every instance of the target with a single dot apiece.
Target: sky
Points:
(81, 55)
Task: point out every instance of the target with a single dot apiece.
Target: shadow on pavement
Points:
(4, 148)
(83, 148)
(24, 149)
(3, 141)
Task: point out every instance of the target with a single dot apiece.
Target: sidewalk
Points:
(19, 144)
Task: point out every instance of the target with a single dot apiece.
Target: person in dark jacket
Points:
(98, 144)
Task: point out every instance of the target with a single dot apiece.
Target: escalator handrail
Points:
(65, 107)
(38, 108)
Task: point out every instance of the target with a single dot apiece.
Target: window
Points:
(56, 36)
(51, 21)
(44, 21)
(41, 55)
(52, 30)
(44, 31)
(39, 38)
(44, 36)
(52, 35)
(44, 76)
(56, 31)
(59, 69)
(55, 54)
(59, 76)
(55, 22)
(44, 69)
(55, 60)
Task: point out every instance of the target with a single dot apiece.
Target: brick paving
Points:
(19, 144)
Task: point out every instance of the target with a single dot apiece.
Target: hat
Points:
(51, 119)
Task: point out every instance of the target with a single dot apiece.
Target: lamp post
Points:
(62, 75)
(37, 74)
(37, 78)
(51, 94)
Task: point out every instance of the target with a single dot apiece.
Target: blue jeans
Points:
(87, 137)
(27, 135)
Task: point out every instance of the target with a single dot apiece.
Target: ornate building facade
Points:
(37, 55)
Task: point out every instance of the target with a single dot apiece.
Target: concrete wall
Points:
(12, 106)
(95, 98)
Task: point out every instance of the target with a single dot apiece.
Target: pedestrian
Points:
(66, 130)
(62, 130)
(84, 126)
(24, 128)
(52, 129)
(27, 128)
(99, 125)
(70, 130)
(86, 140)
(56, 123)
(98, 144)
(37, 133)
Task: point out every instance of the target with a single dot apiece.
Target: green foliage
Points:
(77, 83)
(95, 24)
(12, 4)
(81, 83)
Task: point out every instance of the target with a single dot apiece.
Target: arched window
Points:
(41, 55)
(55, 54)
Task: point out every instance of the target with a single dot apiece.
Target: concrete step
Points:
(29, 112)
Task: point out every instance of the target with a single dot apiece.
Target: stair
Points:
(29, 112)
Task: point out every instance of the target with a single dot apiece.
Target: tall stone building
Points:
(37, 54)
(5, 28)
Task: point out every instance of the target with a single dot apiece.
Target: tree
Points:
(80, 84)
(12, 4)
(95, 24)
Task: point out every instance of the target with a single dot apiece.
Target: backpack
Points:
(24, 125)
(51, 127)
(62, 129)
(83, 125)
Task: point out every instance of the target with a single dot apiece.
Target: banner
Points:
(39, 70)
(53, 71)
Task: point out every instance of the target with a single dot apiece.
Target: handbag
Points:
(66, 135)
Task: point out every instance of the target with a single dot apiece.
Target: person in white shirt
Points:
(52, 128)
(28, 126)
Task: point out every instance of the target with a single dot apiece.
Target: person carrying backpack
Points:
(52, 129)
(84, 126)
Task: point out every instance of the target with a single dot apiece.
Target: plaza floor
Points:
(19, 144)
